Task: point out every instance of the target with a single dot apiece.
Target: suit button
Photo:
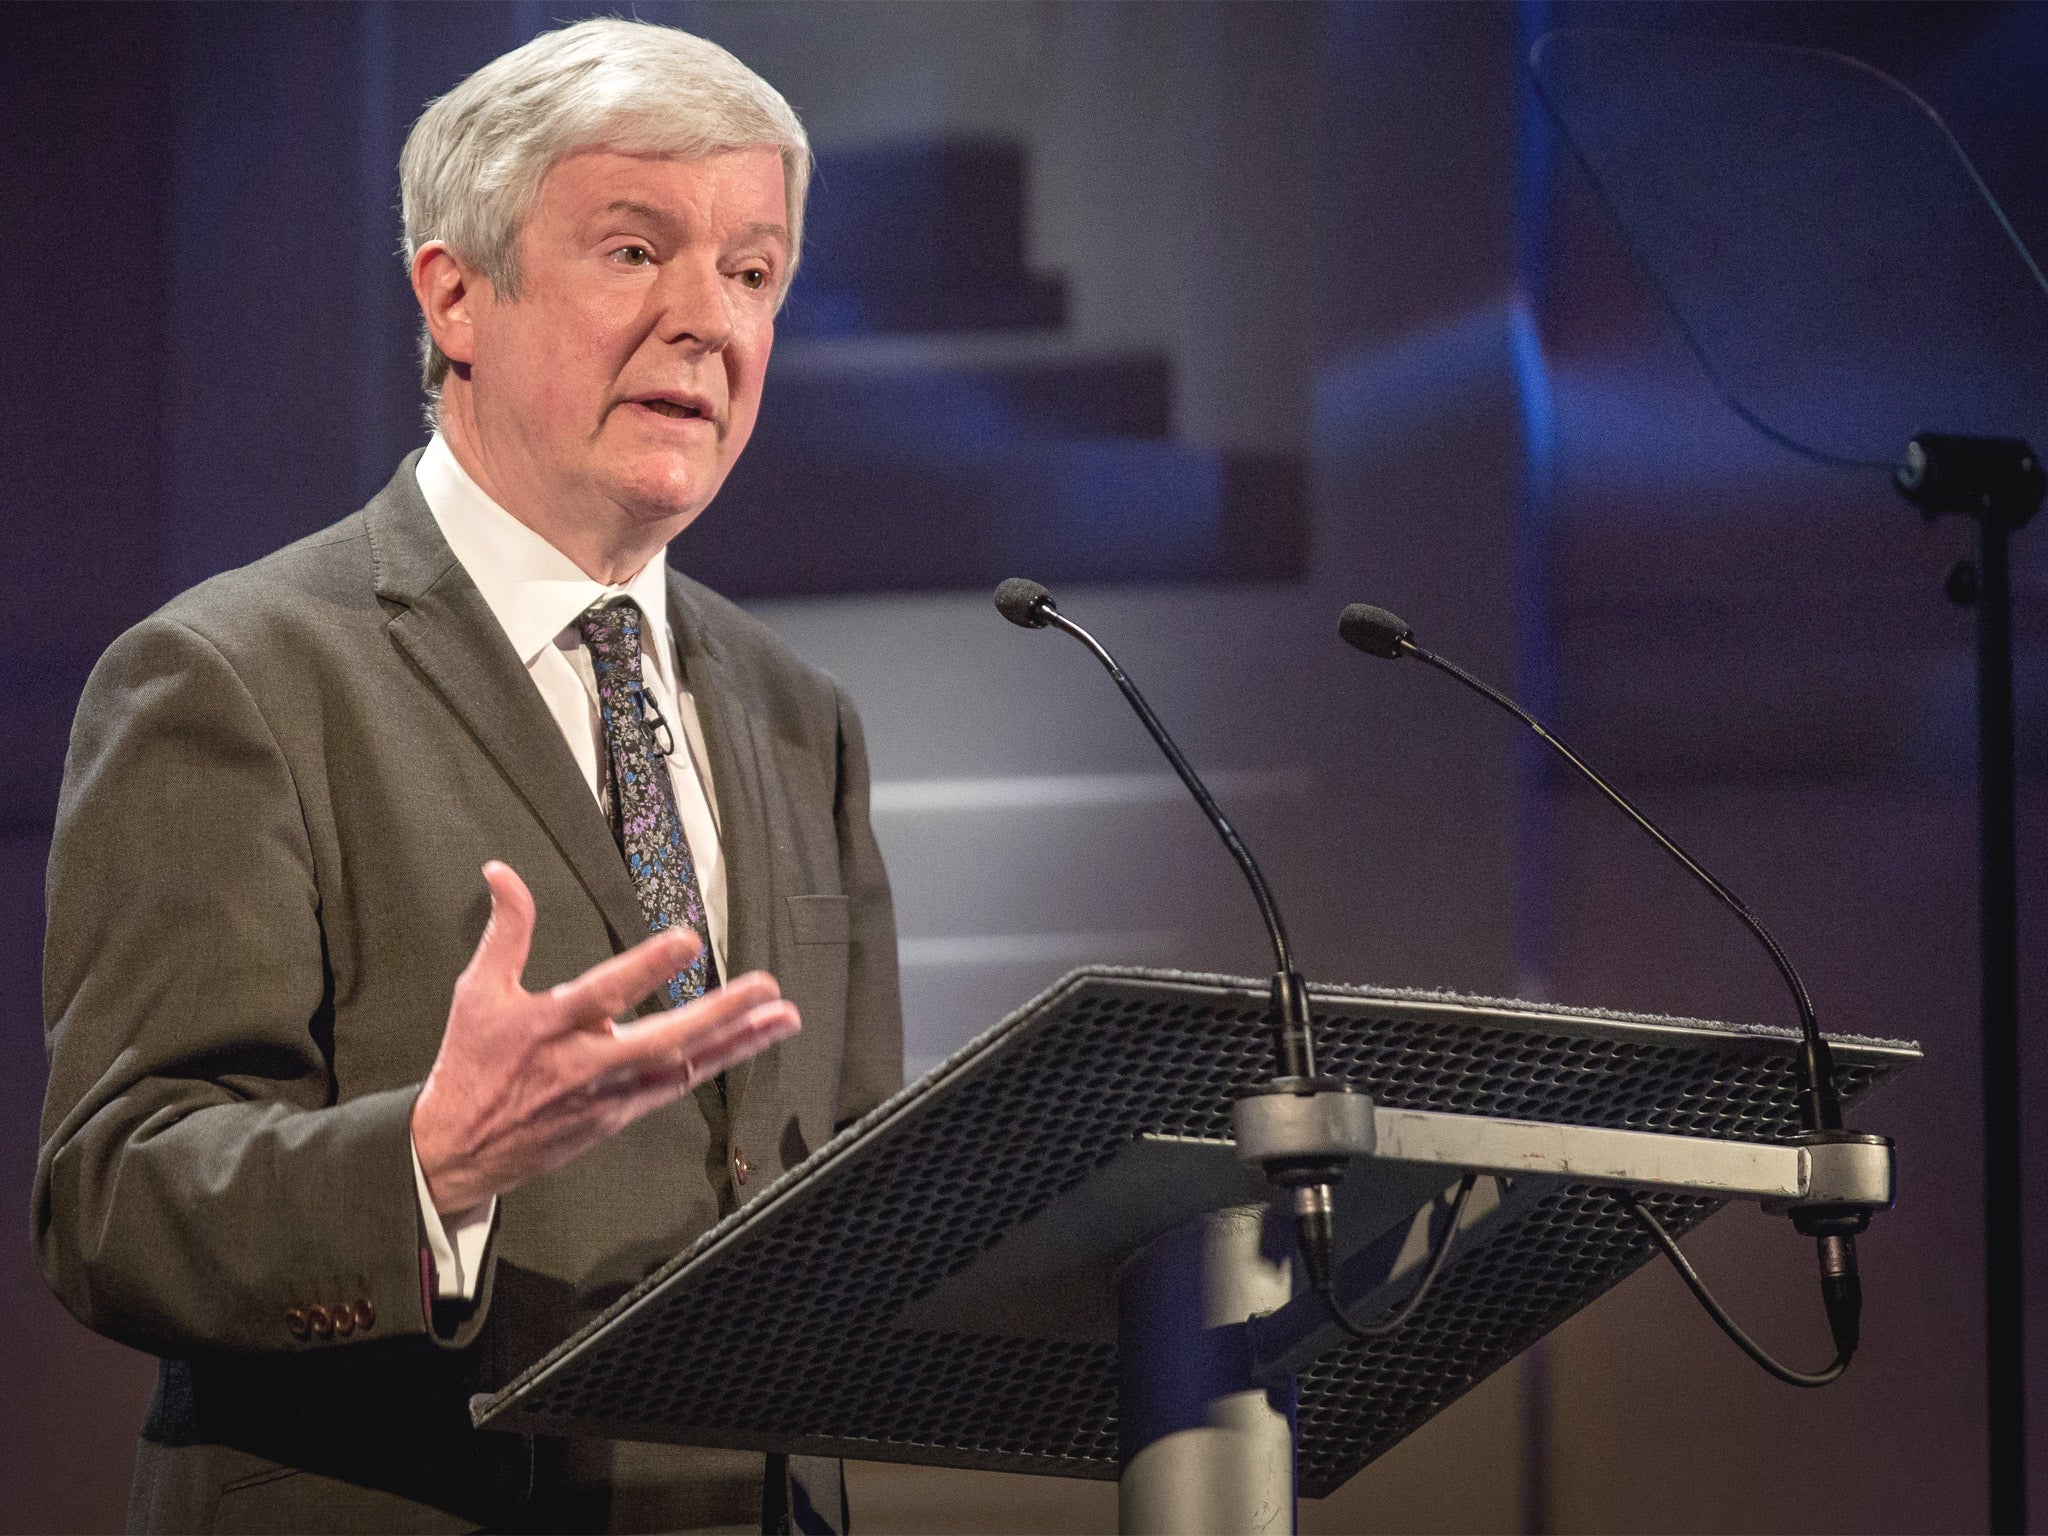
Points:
(739, 1166)
(322, 1321)
(344, 1319)
(366, 1315)
(300, 1324)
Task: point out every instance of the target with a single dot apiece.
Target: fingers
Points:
(653, 1078)
(508, 935)
(666, 1078)
(751, 1034)
(707, 1030)
(613, 986)
(728, 1001)
(767, 1025)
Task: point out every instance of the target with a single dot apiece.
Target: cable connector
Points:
(1841, 1293)
(1302, 1131)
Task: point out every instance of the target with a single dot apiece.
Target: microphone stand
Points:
(1998, 483)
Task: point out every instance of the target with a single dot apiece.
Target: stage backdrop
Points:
(1216, 318)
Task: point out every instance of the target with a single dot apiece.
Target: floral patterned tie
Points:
(642, 798)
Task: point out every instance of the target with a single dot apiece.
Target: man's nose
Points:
(695, 309)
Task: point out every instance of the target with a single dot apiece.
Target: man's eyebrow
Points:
(763, 229)
(766, 229)
(640, 210)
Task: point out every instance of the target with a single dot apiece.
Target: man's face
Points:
(629, 369)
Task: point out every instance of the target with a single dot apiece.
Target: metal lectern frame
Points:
(1046, 1256)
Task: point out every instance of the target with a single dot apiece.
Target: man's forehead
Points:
(606, 178)
(736, 194)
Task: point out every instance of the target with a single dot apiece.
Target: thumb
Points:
(508, 935)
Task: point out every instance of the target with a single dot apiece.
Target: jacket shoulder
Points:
(323, 572)
(751, 648)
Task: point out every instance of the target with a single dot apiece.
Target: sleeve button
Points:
(366, 1314)
(344, 1319)
(300, 1324)
(740, 1168)
(322, 1321)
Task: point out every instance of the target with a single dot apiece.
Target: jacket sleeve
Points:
(198, 1185)
(872, 1068)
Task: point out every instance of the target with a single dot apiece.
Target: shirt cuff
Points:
(457, 1250)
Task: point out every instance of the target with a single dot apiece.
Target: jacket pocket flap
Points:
(819, 919)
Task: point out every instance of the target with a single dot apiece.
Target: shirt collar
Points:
(532, 588)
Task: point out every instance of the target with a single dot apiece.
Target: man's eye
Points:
(633, 255)
(754, 277)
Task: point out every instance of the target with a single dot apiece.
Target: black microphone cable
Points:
(1845, 1350)
(1324, 1282)
(1380, 633)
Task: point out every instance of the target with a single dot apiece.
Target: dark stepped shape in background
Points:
(845, 398)
(927, 428)
(827, 521)
(919, 237)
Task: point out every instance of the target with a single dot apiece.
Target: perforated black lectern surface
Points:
(778, 1329)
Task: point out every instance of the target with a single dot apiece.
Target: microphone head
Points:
(1373, 630)
(1024, 603)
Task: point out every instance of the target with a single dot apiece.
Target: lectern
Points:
(1049, 1254)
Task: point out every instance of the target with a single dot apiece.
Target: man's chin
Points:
(666, 495)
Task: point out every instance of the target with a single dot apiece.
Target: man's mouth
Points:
(675, 409)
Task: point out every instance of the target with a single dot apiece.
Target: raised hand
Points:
(526, 1081)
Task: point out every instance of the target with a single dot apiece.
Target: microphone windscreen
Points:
(1373, 630)
(1021, 602)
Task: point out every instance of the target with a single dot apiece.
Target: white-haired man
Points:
(332, 1156)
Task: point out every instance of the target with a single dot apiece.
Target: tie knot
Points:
(612, 631)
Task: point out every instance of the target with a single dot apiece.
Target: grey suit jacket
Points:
(264, 881)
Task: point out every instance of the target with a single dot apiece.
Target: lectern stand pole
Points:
(1203, 1448)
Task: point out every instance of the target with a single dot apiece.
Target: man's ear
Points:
(448, 290)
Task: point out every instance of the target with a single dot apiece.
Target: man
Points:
(336, 1159)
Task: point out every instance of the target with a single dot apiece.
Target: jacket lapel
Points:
(737, 783)
(450, 633)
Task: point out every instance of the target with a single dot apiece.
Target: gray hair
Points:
(474, 162)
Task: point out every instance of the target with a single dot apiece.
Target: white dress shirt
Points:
(536, 594)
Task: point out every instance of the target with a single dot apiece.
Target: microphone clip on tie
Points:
(656, 723)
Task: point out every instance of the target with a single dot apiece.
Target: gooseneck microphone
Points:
(1379, 633)
(1030, 606)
